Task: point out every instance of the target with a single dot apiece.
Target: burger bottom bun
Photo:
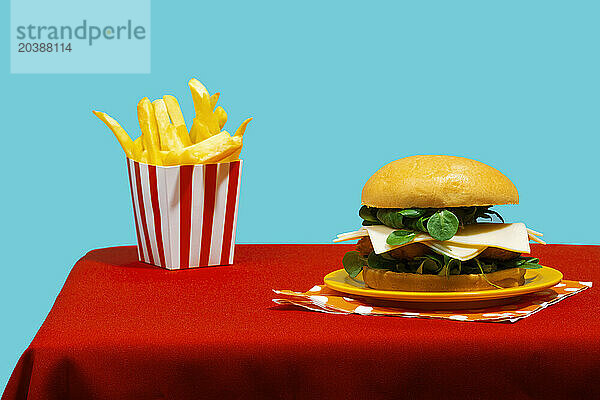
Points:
(382, 279)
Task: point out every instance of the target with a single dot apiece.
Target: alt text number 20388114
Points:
(35, 47)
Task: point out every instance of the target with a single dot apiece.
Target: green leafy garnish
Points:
(469, 215)
(412, 212)
(442, 225)
(484, 276)
(353, 263)
(437, 222)
(421, 224)
(454, 266)
(526, 262)
(390, 217)
(428, 266)
(398, 238)
(369, 223)
(438, 264)
(368, 214)
(488, 215)
(530, 266)
(377, 261)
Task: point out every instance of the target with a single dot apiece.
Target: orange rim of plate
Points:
(535, 280)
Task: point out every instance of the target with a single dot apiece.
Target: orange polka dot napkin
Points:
(323, 299)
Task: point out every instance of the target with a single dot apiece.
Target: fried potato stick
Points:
(199, 131)
(122, 136)
(242, 129)
(169, 140)
(144, 157)
(149, 129)
(213, 100)
(138, 149)
(177, 119)
(221, 116)
(238, 134)
(211, 150)
(203, 107)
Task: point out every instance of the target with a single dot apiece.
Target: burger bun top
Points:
(437, 181)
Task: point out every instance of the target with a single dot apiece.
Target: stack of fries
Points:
(165, 139)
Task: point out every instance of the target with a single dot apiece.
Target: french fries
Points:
(211, 150)
(242, 129)
(147, 120)
(204, 107)
(138, 148)
(177, 119)
(166, 130)
(239, 133)
(221, 116)
(213, 99)
(165, 139)
(199, 131)
(119, 132)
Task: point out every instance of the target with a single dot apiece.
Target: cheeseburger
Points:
(427, 226)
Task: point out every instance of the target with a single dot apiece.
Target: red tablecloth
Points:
(123, 330)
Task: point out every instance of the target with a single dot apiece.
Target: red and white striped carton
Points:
(185, 216)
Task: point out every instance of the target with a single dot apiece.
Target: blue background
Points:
(337, 90)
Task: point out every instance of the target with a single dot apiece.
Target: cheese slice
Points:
(513, 237)
(458, 251)
(379, 233)
(351, 235)
(468, 242)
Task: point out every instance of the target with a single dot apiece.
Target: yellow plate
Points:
(535, 280)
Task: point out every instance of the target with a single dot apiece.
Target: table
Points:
(120, 329)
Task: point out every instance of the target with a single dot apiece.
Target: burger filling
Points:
(420, 259)
(364, 248)
(440, 224)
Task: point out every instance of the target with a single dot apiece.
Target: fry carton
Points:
(185, 215)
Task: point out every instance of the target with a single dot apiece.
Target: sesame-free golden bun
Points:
(436, 181)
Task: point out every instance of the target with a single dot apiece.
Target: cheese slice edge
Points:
(468, 242)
